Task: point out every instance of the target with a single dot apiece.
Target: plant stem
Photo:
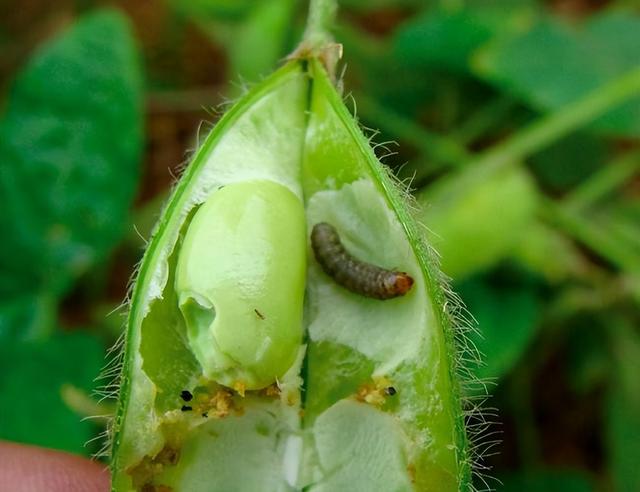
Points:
(604, 181)
(592, 235)
(551, 128)
(483, 119)
(321, 18)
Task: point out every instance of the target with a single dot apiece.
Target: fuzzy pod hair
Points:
(362, 399)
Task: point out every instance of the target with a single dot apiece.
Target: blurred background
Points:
(514, 122)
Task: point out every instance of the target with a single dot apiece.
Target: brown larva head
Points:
(403, 283)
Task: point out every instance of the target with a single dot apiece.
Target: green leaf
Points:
(70, 144)
(551, 64)
(441, 39)
(623, 410)
(569, 161)
(31, 405)
(547, 481)
(26, 316)
(623, 427)
(587, 359)
(507, 318)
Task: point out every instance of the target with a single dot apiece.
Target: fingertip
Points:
(25, 468)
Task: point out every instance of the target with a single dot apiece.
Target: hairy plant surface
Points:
(247, 366)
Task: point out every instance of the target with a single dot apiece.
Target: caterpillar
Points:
(357, 276)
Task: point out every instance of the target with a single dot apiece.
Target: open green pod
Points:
(247, 366)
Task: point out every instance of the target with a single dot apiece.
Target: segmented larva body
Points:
(357, 276)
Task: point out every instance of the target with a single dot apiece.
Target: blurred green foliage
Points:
(529, 183)
(70, 143)
(549, 63)
(32, 389)
(507, 197)
(545, 481)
